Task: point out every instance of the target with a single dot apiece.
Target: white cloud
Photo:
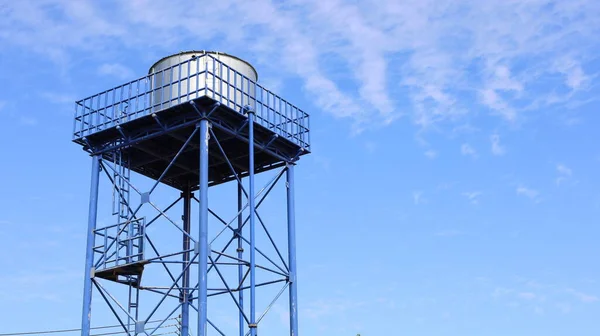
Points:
(12, 115)
(527, 295)
(59, 98)
(370, 146)
(467, 150)
(563, 170)
(324, 308)
(472, 196)
(565, 308)
(564, 173)
(431, 154)
(529, 193)
(28, 121)
(418, 197)
(497, 148)
(116, 70)
(369, 61)
(500, 81)
(575, 77)
(583, 297)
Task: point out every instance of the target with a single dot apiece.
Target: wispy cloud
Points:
(583, 297)
(28, 121)
(348, 56)
(370, 146)
(431, 154)
(449, 233)
(527, 295)
(418, 197)
(116, 70)
(565, 308)
(324, 308)
(529, 193)
(33, 286)
(472, 196)
(497, 148)
(564, 173)
(467, 150)
(16, 117)
(574, 76)
(58, 98)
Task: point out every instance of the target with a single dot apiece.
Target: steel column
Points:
(252, 209)
(89, 253)
(240, 255)
(185, 284)
(291, 219)
(203, 230)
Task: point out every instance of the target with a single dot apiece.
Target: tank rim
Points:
(204, 52)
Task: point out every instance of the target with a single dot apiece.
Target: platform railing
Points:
(201, 76)
(119, 244)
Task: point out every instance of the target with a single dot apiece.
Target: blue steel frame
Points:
(124, 247)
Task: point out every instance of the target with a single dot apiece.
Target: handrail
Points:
(163, 89)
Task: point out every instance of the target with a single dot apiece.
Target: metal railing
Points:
(200, 76)
(120, 244)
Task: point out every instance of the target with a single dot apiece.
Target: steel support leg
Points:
(252, 325)
(185, 283)
(203, 230)
(89, 253)
(240, 255)
(291, 219)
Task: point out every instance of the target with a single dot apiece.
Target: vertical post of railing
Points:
(198, 76)
(235, 92)
(89, 253)
(75, 120)
(121, 104)
(171, 70)
(179, 85)
(253, 98)
(137, 97)
(188, 80)
(213, 77)
(308, 129)
(228, 86)
(105, 247)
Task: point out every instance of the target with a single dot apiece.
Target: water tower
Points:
(197, 122)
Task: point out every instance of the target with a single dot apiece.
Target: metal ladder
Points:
(121, 209)
(120, 205)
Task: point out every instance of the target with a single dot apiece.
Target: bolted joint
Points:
(237, 233)
(140, 327)
(252, 325)
(239, 249)
(248, 109)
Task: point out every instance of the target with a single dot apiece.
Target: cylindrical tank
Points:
(188, 75)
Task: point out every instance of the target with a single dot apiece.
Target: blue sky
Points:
(452, 188)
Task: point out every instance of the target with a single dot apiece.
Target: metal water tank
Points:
(187, 75)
